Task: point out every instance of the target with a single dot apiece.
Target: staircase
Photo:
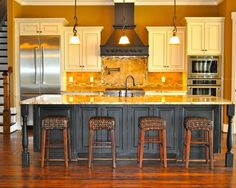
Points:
(4, 68)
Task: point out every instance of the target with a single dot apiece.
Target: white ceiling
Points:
(111, 2)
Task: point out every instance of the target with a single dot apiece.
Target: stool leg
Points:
(161, 145)
(65, 146)
(90, 149)
(139, 137)
(43, 140)
(141, 148)
(47, 142)
(113, 142)
(164, 147)
(211, 148)
(68, 143)
(188, 148)
(207, 146)
(184, 147)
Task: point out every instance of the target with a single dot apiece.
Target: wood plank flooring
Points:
(127, 174)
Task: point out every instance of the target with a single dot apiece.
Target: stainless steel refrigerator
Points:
(39, 65)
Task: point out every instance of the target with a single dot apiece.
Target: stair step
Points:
(3, 67)
(12, 114)
(3, 59)
(3, 46)
(3, 40)
(3, 34)
(4, 28)
(13, 123)
(3, 53)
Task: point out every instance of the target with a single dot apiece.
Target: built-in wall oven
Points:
(204, 67)
(211, 87)
(204, 75)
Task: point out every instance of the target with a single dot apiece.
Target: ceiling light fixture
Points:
(123, 39)
(174, 39)
(75, 39)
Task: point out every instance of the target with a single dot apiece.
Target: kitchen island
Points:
(126, 111)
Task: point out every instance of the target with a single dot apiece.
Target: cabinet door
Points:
(84, 114)
(119, 113)
(133, 121)
(50, 28)
(29, 28)
(91, 51)
(157, 51)
(176, 53)
(73, 53)
(195, 38)
(213, 38)
(172, 131)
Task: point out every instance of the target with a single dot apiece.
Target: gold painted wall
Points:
(103, 16)
(13, 10)
(225, 9)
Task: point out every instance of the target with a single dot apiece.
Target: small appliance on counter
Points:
(205, 75)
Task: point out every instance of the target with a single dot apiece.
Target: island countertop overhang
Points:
(103, 99)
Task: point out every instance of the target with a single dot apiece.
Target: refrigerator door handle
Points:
(35, 65)
(43, 65)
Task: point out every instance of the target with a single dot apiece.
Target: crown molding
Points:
(111, 2)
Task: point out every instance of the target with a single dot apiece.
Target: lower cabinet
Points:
(127, 119)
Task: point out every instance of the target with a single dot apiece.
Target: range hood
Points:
(136, 46)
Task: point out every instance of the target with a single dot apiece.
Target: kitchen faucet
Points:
(126, 83)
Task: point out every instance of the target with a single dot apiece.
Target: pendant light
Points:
(75, 39)
(174, 39)
(123, 39)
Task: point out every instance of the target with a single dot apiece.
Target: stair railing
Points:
(7, 100)
(3, 11)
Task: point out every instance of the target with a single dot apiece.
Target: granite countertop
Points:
(147, 99)
(98, 90)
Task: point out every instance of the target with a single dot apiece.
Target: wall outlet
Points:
(91, 79)
(163, 79)
(71, 79)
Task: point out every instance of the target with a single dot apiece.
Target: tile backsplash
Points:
(116, 69)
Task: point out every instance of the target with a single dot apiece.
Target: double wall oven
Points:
(204, 75)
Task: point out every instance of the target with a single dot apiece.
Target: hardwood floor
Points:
(102, 175)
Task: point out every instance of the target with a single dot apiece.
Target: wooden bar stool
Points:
(100, 123)
(193, 124)
(54, 123)
(152, 124)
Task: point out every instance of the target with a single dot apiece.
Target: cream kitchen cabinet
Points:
(86, 55)
(41, 26)
(205, 35)
(164, 57)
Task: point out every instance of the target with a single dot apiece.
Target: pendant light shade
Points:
(75, 39)
(174, 39)
(123, 39)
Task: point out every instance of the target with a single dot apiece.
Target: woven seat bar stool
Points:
(158, 125)
(101, 123)
(54, 123)
(193, 124)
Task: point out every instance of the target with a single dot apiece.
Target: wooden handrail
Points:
(7, 102)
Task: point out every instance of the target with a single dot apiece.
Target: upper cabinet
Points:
(41, 26)
(164, 57)
(84, 57)
(205, 35)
